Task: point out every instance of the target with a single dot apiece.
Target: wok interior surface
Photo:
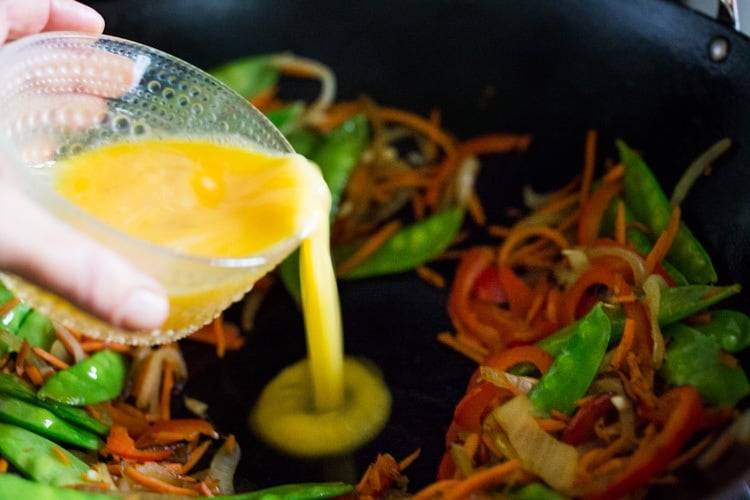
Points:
(640, 70)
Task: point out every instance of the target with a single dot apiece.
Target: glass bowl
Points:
(66, 93)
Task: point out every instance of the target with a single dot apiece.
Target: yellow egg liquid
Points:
(203, 198)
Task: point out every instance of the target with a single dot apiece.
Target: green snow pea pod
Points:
(693, 358)
(679, 302)
(730, 328)
(554, 344)
(5, 293)
(536, 491)
(338, 154)
(285, 118)
(637, 238)
(304, 141)
(412, 245)
(45, 423)
(37, 329)
(23, 488)
(39, 458)
(650, 205)
(13, 319)
(95, 379)
(15, 387)
(248, 76)
(574, 368)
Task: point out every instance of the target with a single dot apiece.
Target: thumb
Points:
(50, 254)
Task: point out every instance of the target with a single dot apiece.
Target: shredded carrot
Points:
(664, 241)
(21, 358)
(519, 234)
(60, 455)
(614, 174)
(626, 343)
(479, 481)
(467, 350)
(589, 164)
(195, 456)
(424, 126)
(476, 210)
(264, 98)
(431, 276)
(34, 374)
(49, 358)
(406, 462)
(7, 306)
(3, 466)
(155, 484)
(92, 345)
(368, 247)
(551, 424)
(438, 489)
(338, 113)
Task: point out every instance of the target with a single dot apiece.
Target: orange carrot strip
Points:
(431, 276)
(589, 164)
(438, 489)
(338, 113)
(626, 343)
(262, 99)
(461, 347)
(476, 210)
(368, 247)
(418, 123)
(154, 484)
(60, 455)
(221, 339)
(10, 304)
(119, 443)
(233, 339)
(98, 345)
(551, 424)
(21, 358)
(49, 358)
(4, 466)
(664, 241)
(481, 480)
(519, 234)
(34, 374)
(592, 211)
(614, 174)
(195, 456)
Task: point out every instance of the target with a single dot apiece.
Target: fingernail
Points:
(143, 309)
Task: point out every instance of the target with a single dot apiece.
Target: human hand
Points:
(48, 253)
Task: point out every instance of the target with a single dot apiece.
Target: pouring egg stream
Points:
(203, 197)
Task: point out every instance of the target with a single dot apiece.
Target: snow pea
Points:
(39, 458)
(248, 76)
(303, 140)
(45, 423)
(535, 491)
(730, 328)
(13, 319)
(574, 368)
(23, 488)
(694, 358)
(679, 302)
(37, 329)
(412, 245)
(338, 154)
(554, 344)
(650, 205)
(98, 378)
(285, 117)
(15, 387)
(5, 293)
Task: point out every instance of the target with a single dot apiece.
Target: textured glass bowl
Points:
(65, 93)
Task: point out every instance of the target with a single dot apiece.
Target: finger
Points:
(54, 256)
(27, 17)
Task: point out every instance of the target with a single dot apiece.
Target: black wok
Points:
(638, 69)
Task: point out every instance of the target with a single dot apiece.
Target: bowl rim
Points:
(43, 190)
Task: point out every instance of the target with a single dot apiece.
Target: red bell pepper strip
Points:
(683, 405)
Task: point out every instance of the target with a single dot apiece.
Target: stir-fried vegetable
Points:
(642, 368)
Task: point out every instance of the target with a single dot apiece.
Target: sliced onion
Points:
(541, 454)
(652, 289)
(696, 169)
(71, 341)
(506, 380)
(151, 372)
(533, 199)
(224, 464)
(314, 112)
(633, 259)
